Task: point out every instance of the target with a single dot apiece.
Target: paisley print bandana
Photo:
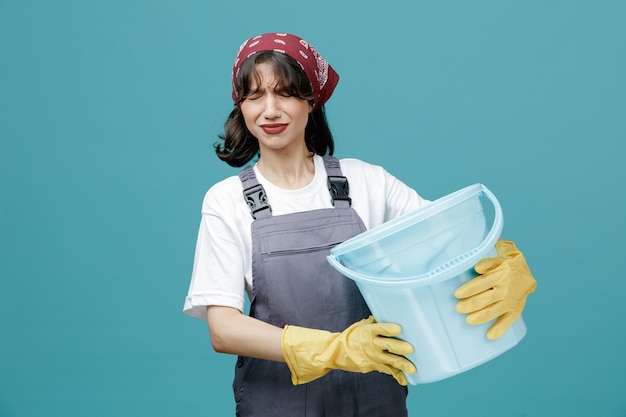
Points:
(321, 75)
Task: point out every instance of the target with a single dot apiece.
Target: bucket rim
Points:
(401, 222)
(450, 269)
(447, 270)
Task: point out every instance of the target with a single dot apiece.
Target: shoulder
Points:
(358, 164)
(358, 170)
(223, 196)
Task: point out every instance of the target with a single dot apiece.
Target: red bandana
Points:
(321, 75)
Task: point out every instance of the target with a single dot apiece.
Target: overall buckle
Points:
(256, 199)
(339, 189)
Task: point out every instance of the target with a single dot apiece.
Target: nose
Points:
(272, 108)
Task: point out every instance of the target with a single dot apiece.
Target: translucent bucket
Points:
(408, 269)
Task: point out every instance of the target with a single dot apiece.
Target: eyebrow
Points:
(277, 89)
(283, 89)
(253, 91)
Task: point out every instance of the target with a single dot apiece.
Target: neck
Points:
(293, 172)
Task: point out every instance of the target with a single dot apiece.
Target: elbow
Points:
(221, 322)
(219, 337)
(218, 343)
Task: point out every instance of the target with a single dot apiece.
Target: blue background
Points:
(108, 114)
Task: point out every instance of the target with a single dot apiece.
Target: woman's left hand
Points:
(499, 291)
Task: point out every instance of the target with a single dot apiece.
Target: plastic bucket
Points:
(408, 269)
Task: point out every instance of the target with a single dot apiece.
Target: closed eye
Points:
(285, 92)
(253, 94)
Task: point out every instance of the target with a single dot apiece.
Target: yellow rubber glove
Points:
(363, 347)
(499, 292)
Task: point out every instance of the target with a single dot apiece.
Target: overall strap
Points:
(254, 194)
(337, 183)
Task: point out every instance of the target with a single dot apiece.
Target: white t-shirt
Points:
(222, 270)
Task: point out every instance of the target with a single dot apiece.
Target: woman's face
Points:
(274, 117)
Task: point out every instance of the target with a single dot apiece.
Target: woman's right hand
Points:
(363, 347)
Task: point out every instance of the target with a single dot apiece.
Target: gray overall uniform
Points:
(294, 284)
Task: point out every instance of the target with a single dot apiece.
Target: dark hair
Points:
(238, 146)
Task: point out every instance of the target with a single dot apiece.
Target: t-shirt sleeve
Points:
(218, 271)
(399, 197)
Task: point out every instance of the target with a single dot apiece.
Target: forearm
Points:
(235, 333)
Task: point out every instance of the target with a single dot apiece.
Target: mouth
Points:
(274, 128)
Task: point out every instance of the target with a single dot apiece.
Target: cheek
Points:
(304, 112)
(248, 116)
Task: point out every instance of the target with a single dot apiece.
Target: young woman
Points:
(309, 346)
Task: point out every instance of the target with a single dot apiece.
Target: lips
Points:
(274, 128)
